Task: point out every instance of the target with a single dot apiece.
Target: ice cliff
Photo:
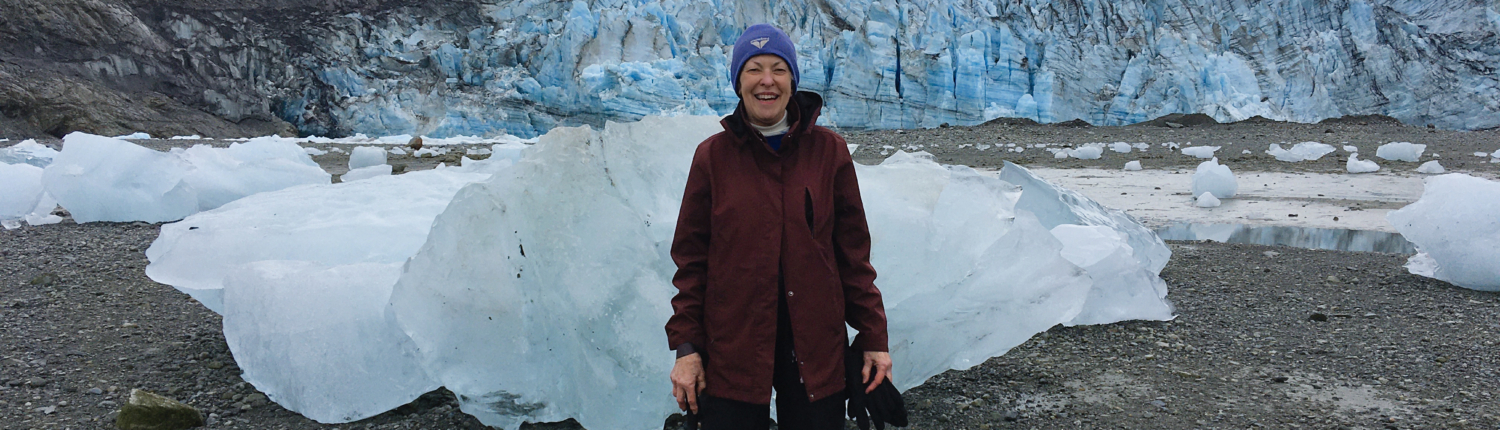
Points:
(903, 64)
(523, 67)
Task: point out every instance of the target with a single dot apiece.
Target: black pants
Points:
(793, 410)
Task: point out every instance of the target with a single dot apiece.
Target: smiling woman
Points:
(772, 245)
(765, 88)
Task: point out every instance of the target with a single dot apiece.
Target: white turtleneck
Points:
(774, 130)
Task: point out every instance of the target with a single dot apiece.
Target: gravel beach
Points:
(1266, 337)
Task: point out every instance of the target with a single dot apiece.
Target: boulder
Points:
(147, 411)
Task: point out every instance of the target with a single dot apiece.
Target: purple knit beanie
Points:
(762, 39)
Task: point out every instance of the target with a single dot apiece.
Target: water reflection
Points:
(1300, 237)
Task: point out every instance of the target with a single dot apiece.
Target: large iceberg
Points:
(379, 220)
(317, 340)
(1124, 289)
(302, 277)
(539, 292)
(514, 308)
(99, 178)
(1456, 230)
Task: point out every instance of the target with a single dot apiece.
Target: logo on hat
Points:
(760, 43)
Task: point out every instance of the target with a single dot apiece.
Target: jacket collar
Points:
(802, 113)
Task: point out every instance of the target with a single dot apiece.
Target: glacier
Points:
(535, 286)
(525, 66)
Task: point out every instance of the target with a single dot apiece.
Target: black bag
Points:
(884, 405)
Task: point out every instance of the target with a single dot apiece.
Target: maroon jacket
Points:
(748, 213)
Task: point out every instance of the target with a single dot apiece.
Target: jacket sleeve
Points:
(690, 252)
(863, 307)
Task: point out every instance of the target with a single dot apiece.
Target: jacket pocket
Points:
(807, 207)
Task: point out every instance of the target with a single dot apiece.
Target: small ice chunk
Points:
(134, 136)
(1060, 154)
(28, 152)
(366, 172)
(1200, 151)
(1133, 165)
(1482, 154)
(366, 156)
(1401, 151)
(20, 191)
(1245, 151)
(1305, 151)
(1356, 165)
(314, 151)
(222, 175)
(190, 137)
(1351, 148)
(1453, 224)
(1087, 152)
(396, 150)
(1431, 168)
(982, 146)
(1207, 200)
(430, 151)
(483, 151)
(337, 150)
(1215, 178)
(42, 214)
(1142, 146)
(1422, 264)
(1120, 147)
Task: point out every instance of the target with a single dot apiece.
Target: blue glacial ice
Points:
(525, 66)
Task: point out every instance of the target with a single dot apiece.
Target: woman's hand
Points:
(687, 381)
(877, 360)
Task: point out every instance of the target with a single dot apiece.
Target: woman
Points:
(773, 258)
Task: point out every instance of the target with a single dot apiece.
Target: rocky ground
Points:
(984, 145)
(1266, 337)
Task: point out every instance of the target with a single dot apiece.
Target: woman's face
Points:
(765, 88)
